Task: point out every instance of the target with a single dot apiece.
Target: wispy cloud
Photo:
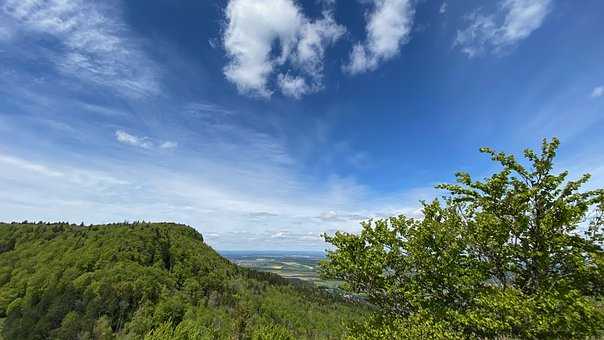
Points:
(513, 21)
(230, 176)
(220, 132)
(388, 28)
(218, 199)
(29, 166)
(294, 87)
(206, 110)
(126, 138)
(142, 142)
(252, 29)
(94, 45)
(22, 168)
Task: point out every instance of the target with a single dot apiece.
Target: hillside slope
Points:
(154, 281)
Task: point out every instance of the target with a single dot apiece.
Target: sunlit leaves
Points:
(518, 254)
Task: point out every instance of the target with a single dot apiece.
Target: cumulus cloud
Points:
(94, 45)
(262, 36)
(142, 142)
(598, 91)
(388, 28)
(513, 21)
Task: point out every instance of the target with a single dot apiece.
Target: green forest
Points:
(517, 255)
(149, 281)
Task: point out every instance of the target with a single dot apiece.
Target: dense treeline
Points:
(148, 280)
(516, 255)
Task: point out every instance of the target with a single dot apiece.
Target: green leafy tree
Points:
(518, 254)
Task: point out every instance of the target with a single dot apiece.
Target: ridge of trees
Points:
(148, 281)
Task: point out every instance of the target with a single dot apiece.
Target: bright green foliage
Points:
(154, 281)
(516, 255)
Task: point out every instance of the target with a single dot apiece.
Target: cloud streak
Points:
(29, 166)
(513, 22)
(142, 142)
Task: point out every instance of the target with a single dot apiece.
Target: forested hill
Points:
(147, 280)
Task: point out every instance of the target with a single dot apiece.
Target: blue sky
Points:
(266, 123)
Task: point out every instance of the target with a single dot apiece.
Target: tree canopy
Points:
(518, 254)
(148, 280)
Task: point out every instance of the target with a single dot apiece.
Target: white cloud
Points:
(314, 38)
(360, 61)
(294, 87)
(598, 91)
(143, 142)
(481, 32)
(254, 27)
(518, 19)
(388, 28)
(126, 138)
(95, 46)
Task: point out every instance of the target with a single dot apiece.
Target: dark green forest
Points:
(151, 281)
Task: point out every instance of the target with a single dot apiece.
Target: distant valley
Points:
(302, 265)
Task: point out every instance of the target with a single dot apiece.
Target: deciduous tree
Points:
(516, 254)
